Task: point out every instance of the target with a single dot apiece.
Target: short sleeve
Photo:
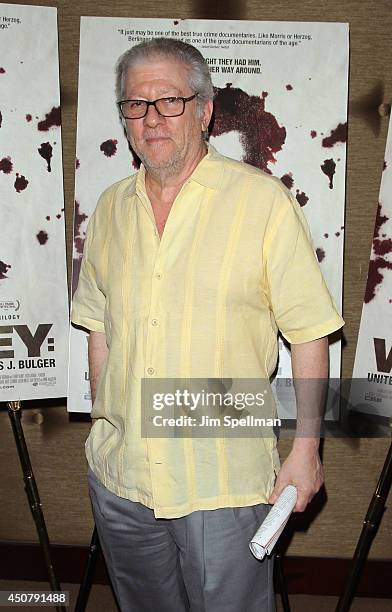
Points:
(300, 301)
(88, 304)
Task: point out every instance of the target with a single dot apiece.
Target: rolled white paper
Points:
(270, 529)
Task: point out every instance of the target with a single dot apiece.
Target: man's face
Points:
(164, 143)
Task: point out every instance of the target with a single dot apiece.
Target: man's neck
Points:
(164, 185)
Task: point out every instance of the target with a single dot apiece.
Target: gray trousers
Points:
(200, 562)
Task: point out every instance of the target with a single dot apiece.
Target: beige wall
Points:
(352, 467)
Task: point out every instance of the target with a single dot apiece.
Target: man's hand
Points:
(303, 469)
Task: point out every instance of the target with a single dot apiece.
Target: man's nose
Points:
(152, 117)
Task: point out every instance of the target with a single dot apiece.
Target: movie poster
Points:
(280, 104)
(33, 283)
(371, 389)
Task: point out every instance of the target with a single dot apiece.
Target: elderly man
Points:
(190, 267)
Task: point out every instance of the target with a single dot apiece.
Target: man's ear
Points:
(207, 114)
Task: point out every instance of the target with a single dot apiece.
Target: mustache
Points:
(148, 134)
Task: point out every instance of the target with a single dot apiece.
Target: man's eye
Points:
(172, 100)
(136, 103)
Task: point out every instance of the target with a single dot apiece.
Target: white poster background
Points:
(297, 71)
(371, 391)
(34, 328)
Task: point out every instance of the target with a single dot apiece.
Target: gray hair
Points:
(198, 71)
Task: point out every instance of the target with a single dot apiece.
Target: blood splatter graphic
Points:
(109, 147)
(313, 133)
(42, 237)
(289, 87)
(47, 218)
(4, 269)
(339, 134)
(176, 22)
(287, 179)
(46, 151)
(1, 119)
(79, 218)
(21, 183)
(337, 234)
(260, 134)
(384, 167)
(77, 163)
(2, 71)
(302, 198)
(52, 119)
(320, 254)
(328, 167)
(28, 117)
(6, 165)
(380, 248)
(326, 235)
(58, 216)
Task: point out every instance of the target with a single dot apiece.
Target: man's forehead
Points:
(162, 73)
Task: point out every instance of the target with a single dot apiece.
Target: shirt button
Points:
(150, 371)
(154, 322)
(158, 275)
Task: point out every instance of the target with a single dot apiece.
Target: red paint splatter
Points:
(79, 218)
(28, 118)
(77, 163)
(1, 119)
(4, 269)
(2, 71)
(302, 198)
(384, 167)
(339, 134)
(264, 94)
(176, 22)
(46, 151)
(6, 165)
(21, 183)
(287, 179)
(337, 234)
(48, 218)
(313, 133)
(58, 216)
(289, 87)
(52, 119)
(260, 134)
(328, 167)
(320, 254)
(325, 235)
(109, 147)
(42, 237)
(380, 248)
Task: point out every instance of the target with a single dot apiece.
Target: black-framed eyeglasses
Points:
(173, 106)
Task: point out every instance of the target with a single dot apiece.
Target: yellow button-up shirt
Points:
(234, 265)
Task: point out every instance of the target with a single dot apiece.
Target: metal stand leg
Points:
(369, 530)
(281, 581)
(88, 575)
(14, 413)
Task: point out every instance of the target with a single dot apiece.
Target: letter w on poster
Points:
(33, 283)
(287, 84)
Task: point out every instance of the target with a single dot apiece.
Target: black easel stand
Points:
(85, 587)
(14, 413)
(369, 530)
(281, 582)
(94, 552)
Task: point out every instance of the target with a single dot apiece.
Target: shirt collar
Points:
(207, 173)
